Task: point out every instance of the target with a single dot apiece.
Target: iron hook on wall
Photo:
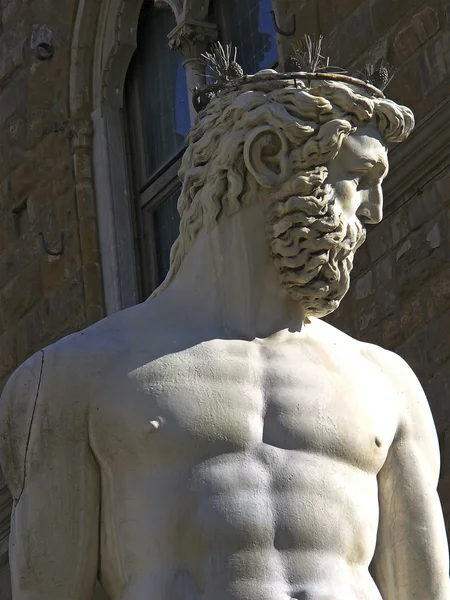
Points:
(53, 252)
(280, 31)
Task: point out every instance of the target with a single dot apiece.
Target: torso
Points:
(236, 470)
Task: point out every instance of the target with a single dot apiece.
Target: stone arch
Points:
(103, 43)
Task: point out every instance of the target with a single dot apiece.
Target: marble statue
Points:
(220, 441)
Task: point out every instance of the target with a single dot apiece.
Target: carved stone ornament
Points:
(192, 38)
(220, 441)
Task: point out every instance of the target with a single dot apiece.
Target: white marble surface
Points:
(220, 441)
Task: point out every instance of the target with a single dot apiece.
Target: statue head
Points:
(317, 148)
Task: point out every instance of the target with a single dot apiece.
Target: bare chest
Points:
(226, 398)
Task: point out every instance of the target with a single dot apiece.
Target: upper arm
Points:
(48, 465)
(411, 559)
(17, 405)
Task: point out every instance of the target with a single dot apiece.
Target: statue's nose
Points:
(370, 210)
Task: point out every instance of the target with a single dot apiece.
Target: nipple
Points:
(156, 424)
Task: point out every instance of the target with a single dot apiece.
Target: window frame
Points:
(148, 192)
(148, 195)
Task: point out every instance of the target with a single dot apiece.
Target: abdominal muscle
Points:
(270, 524)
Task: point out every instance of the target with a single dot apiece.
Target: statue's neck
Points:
(228, 279)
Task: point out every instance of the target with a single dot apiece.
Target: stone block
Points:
(93, 284)
(83, 166)
(8, 233)
(406, 87)
(61, 179)
(412, 352)
(364, 286)
(306, 12)
(423, 207)
(29, 335)
(10, 59)
(387, 13)
(39, 127)
(38, 199)
(438, 294)
(10, 10)
(47, 86)
(412, 314)
(12, 155)
(58, 311)
(441, 187)
(421, 27)
(399, 225)
(23, 179)
(344, 8)
(19, 133)
(58, 269)
(390, 331)
(421, 257)
(436, 345)
(385, 286)
(362, 262)
(8, 353)
(21, 294)
(5, 584)
(327, 18)
(435, 62)
(89, 240)
(14, 99)
(366, 312)
(85, 199)
(379, 240)
(67, 211)
(353, 37)
(6, 196)
(437, 390)
(18, 257)
(54, 147)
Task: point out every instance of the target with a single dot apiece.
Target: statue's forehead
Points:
(366, 143)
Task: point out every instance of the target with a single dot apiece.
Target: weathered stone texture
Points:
(42, 298)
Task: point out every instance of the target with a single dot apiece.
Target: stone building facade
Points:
(84, 232)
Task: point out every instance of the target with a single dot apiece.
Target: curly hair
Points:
(315, 118)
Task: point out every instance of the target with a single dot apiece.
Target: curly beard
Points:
(313, 245)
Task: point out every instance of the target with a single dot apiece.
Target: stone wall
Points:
(44, 167)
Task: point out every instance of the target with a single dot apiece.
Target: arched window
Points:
(157, 109)
(158, 121)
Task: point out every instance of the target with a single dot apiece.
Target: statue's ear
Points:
(266, 154)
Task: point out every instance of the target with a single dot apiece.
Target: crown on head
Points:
(304, 64)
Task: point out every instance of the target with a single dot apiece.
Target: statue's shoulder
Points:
(50, 392)
(17, 406)
(385, 361)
